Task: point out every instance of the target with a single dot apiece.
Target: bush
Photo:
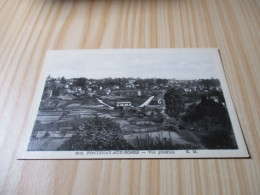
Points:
(212, 124)
(98, 134)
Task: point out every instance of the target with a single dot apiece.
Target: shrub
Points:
(98, 134)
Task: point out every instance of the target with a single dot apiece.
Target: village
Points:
(137, 105)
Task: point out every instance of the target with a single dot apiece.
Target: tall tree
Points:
(81, 82)
(174, 102)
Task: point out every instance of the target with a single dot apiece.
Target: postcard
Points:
(132, 103)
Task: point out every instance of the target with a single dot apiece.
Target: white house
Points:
(123, 104)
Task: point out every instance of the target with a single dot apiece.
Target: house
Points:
(89, 90)
(123, 104)
(155, 87)
(107, 91)
(194, 88)
(129, 86)
(131, 81)
(218, 88)
(57, 81)
(49, 92)
(115, 87)
(215, 99)
(187, 90)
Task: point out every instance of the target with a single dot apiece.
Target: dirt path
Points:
(100, 101)
(147, 102)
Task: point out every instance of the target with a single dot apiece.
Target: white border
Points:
(46, 70)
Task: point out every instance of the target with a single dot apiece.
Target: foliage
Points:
(209, 83)
(156, 117)
(161, 81)
(97, 134)
(63, 80)
(208, 107)
(80, 82)
(174, 102)
(56, 91)
(159, 143)
(212, 124)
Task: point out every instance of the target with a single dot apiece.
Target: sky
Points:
(179, 64)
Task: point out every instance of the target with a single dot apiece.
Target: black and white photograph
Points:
(133, 103)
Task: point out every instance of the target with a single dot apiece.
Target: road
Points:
(100, 101)
(147, 102)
